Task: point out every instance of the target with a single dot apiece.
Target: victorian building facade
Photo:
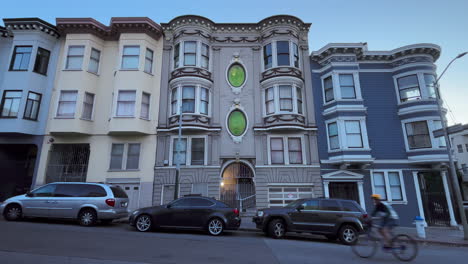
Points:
(28, 55)
(243, 93)
(376, 112)
(102, 120)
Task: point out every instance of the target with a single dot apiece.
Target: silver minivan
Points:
(86, 202)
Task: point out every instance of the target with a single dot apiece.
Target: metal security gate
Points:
(237, 187)
(68, 163)
(433, 198)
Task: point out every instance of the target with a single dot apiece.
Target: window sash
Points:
(353, 134)
(205, 56)
(42, 61)
(328, 89)
(20, 58)
(286, 98)
(418, 135)
(117, 154)
(67, 104)
(267, 56)
(188, 99)
(295, 55)
(174, 100)
(10, 103)
(277, 150)
(176, 55)
(198, 151)
(395, 186)
(379, 185)
(190, 53)
(182, 152)
(145, 105)
(126, 103)
(429, 79)
(94, 60)
(270, 100)
(149, 60)
(204, 101)
(130, 57)
(409, 88)
(31, 111)
(88, 104)
(283, 53)
(75, 57)
(295, 150)
(347, 86)
(133, 156)
(299, 100)
(333, 136)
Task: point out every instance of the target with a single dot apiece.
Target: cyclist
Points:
(388, 219)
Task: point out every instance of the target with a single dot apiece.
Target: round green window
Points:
(236, 75)
(237, 123)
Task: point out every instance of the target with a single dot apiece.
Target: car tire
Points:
(143, 223)
(276, 228)
(13, 212)
(348, 235)
(215, 226)
(87, 217)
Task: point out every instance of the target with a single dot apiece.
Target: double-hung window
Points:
(42, 61)
(75, 57)
(145, 105)
(429, 79)
(270, 100)
(149, 60)
(195, 99)
(440, 140)
(94, 61)
(286, 150)
(347, 86)
(408, 87)
(126, 103)
(125, 156)
(130, 57)
(176, 55)
(267, 56)
(299, 100)
(353, 134)
(67, 104)
(190, 151)
(280, 53)
(328, 89)
(417, 134)
(295, 55)
(333, 138)
(283, 99)
(10, 103)
(88, 104)
(460, 148)
(205, 56)
(286, 98)
(20, 58)
(31, 111)
(190, 53)
(389, 185)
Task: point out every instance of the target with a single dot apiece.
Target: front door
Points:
(434, 199)
(344, 190)
(237, 186)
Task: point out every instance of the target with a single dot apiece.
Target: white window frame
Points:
(98, 60)
(58, 104)
(188, 155)
(123, 166)
(92, 109)
(337, 87)
(149, 106)
(122, 56)
(276, 99)
(198, 88)
(82, 57)
(431, 127)
(116, 100)
(421, 82)
(151, 61)
(342, 139)
(274, 63)
(387, 186)
(198, 55)
(286, 149)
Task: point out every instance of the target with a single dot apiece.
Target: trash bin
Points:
(420, 226)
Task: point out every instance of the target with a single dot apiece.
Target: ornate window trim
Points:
(274, 63)
(236, 60)
(198, 86)
(337, 87)
(198, 54)
(275, 83)
(237, 106)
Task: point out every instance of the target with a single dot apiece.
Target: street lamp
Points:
(453, 172)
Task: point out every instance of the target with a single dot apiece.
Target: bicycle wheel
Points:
(404, 247)
(365, 246)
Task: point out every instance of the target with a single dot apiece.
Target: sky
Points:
(383, 24)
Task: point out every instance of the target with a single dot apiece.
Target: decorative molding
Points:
(191, 72)
(22, 24)
(283, 119)
(236, 60)
(237, 106)
(281, 71)
(118, 25)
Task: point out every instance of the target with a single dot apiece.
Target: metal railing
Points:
(248, 201)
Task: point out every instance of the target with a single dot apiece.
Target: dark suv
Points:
(332, 218)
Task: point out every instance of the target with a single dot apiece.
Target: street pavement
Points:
(54, 242)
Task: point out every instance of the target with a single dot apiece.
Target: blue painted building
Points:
(28, 56)
(376, 111)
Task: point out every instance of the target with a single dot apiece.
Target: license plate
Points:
(124, 204)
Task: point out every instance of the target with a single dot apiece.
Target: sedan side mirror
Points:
(300, 207)
(29, 194)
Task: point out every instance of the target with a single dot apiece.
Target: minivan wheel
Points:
(276, 228)
(348, 235)
(13, 213)
(143, 223)
(87, 217)
(215, 227)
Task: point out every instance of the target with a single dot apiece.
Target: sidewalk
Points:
(434, 235)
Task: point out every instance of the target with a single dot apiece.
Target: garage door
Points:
(279, 196)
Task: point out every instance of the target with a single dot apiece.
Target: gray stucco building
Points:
(28, 57)
(248, 127)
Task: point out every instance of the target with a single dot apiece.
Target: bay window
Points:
(42, 61)
(389, 185)
(130, 57)
(195, 99)
(32, 106)
(145, 105)
(88, 103)
(280, 53)
(20, 58)
(75, 57)
(408, 87)
(67, 104)
(341, 86)
(440, 140)
(126, 104)
(94, 60)
(190, 151)
(283, 99)
(333, 138)
(347, 86)
(353, 134)
(149, 61)
(429, 79)
(328, 88)
(194, 54)
(286, 150)
(10, 103)
(417, 134)
(347, 133)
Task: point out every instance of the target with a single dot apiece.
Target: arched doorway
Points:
(237, 186)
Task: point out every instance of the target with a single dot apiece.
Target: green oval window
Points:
(237, 123)
(236, 75)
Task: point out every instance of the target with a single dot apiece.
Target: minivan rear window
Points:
(118, 192)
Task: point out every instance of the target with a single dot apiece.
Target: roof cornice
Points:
(24, 24)
(4, 32)
(118, 25)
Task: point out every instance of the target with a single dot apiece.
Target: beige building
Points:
(104, 108)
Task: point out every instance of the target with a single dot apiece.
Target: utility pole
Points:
(453, 172)
(178, 145)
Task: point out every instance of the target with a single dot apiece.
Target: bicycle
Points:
(403, 246)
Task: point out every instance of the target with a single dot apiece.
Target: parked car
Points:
(332, 218)
(86, 202)
(190, 212)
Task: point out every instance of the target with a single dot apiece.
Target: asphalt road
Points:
(51, 242)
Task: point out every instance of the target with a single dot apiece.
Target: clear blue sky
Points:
(384, 25)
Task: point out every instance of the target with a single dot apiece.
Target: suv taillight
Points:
(365, 216)
(110, 202)
(236, 211)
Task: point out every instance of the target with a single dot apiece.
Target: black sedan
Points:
(194, 212)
